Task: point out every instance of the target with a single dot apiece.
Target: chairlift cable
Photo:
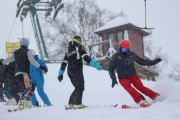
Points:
(4, 52)
(11, 29)
(21, 19)
(30, 33)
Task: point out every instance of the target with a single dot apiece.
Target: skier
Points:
(2, 77)
(9, 84)
(23, 57)
(4, 82)
(123, 62)
(74, 58)
(37, 78)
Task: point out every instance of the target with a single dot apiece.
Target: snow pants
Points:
(40, 89)
(136, 82)
(9, 84)
(1, 91)
(7, 92)
(77, 79)
(20, 88)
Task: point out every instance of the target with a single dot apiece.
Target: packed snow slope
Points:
(99, 96)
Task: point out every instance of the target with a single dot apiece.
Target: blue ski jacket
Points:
(36, 73)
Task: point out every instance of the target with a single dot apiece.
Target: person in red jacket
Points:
(123, 62)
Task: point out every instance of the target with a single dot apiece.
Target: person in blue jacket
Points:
(37, 78)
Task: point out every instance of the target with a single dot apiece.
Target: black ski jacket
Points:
(22, 63)
(74, 57)
(3, 69)
(124, 64)
(7, 72)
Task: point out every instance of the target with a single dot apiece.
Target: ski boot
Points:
(81, 106)
(21, 105)
(144, 104)
(36, 104)
(27, 104)
(2, 99)
(11, 102)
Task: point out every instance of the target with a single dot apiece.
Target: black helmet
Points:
(77, 38)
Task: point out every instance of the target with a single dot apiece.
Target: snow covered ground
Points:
(99, 96)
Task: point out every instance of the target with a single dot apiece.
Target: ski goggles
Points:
(125, 50)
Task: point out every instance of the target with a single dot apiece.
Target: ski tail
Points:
(12, 110)
(129, 107)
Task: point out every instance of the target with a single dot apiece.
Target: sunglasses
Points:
(125, 50)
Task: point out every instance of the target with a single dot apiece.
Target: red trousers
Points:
(136, 82)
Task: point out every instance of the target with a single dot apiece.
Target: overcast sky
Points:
(163, 15)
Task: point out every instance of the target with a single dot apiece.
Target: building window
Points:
(111, 37)
(119, 37)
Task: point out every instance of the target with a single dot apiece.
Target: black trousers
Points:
(1, 91)
(77, 80)
(18, 87)
(9, 84)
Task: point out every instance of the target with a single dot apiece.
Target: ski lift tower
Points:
(32, 6)
(146, 17)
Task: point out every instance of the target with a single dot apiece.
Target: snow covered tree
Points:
(78, 18)
(173, 70)
(175, 73)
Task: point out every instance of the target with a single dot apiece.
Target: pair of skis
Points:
(116, 105)
(130, 107)
(73, 108)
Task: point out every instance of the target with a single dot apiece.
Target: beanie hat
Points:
(24, 42)
(125, 44)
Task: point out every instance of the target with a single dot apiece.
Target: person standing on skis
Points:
(2, 78)
(123, 62)
(7, 80)
(74, 57)
(23, 57)
(37, 79)
(10, 83)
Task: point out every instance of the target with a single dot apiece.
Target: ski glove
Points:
(96, 64)
(60, 75)
(113, 83)
(60, 78)
(157, 60)
(44, 69)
